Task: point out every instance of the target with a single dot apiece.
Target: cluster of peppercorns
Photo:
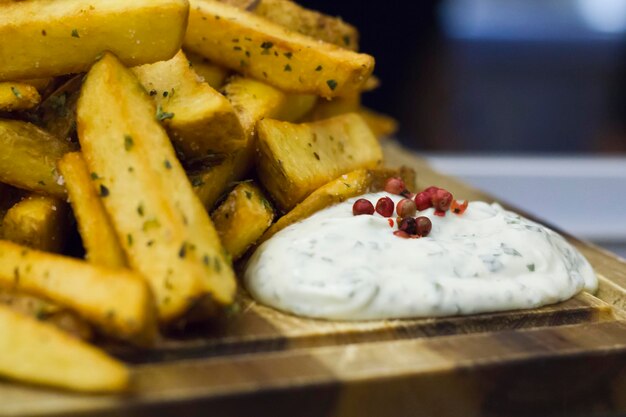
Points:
(408, 225)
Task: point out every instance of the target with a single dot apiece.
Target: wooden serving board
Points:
(566, 359)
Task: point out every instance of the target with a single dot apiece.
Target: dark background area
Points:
(521, 76)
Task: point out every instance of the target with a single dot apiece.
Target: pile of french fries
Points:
(171, 136)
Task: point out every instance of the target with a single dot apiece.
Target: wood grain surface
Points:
(567, 359)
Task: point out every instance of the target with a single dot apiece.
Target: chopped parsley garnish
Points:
(288, 55)
(129, 239)
(140, 210)
(16, 92)
(182, 252)
(319, 68)
(288, 68)
(94, 176)
(168, 164)
(332, 84)
(163, 115)
(316, 155)
(128, 142)
(104, 191)
(267, 45)
(531, 267)
(248, 195)
(75, 33)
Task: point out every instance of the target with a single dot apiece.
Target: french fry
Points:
(39, 222)
(57, 112)
(94, 225)
(309, 22)
(200, 120)
(295, 160)
(212, 74)
(346, 186)
(18, 96)
(42, 38)
(46, 311)
(28, 157)
(267, 51)
(325, 109)
(39, 353)
(252, 101)
(382, 125)
(8, 197)
(242, 218)
(41, 84)
(296, 106)
(165, 231)
(118, 302)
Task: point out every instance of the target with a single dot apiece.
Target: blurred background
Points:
(525, 99)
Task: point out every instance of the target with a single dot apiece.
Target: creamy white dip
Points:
(336, 265)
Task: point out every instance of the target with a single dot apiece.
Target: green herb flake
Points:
(205, 260)
(267, 45)
(248, 195)
(41, 182)
(140, 209)
(531, 267)
(197, 182)
(182, 252)
(217, 265)
(75, 33)
(332, 84)
(237, 48)
(128, 142)
(287, 68)
(16, 92)
(316, 155)
(129, 239)
(43, 32)
(288, 55)
(319, 68)
(104, 191)
(165, 94)
(16, 276)
(167, 164)
(346, 184)
(153, 93)
(162, 115)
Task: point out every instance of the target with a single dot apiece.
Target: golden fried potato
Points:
(94, 225)
(28, 157)
(347, 185)
(294, 160)
(210, 183)
(43, 38)
(18, 96)
(39, 222)
(309, 22)
(212, 74)
(382, 125)
(165, 231)
(118, 302)
(36, 352)
(58, 111)
(200, 120)
(269, 52)
(46, 311)
(325, 109)
(295, 107)
(242, 218)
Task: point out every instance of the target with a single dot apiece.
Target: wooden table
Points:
(567, 359)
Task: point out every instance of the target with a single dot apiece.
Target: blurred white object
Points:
(607, 16)
(585, 196)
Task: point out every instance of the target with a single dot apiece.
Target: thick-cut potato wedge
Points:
(267, 51)
(295, 107)
(41, 84)
(57, 112)
(165, 231)
(43, 38)
(252, 100)
(94, 225)
(28, 157)
(116, 301)
(294, 160)
(39, 353)
(309, 22)
(46, 311)
(211, 183)
(382, 125)
(212, 74)
(346, 186)
(39, 222)
(326, 109)
(200, 120)
(242, 218)
(18, 96)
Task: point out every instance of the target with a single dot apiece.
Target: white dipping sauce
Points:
(336, 265)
